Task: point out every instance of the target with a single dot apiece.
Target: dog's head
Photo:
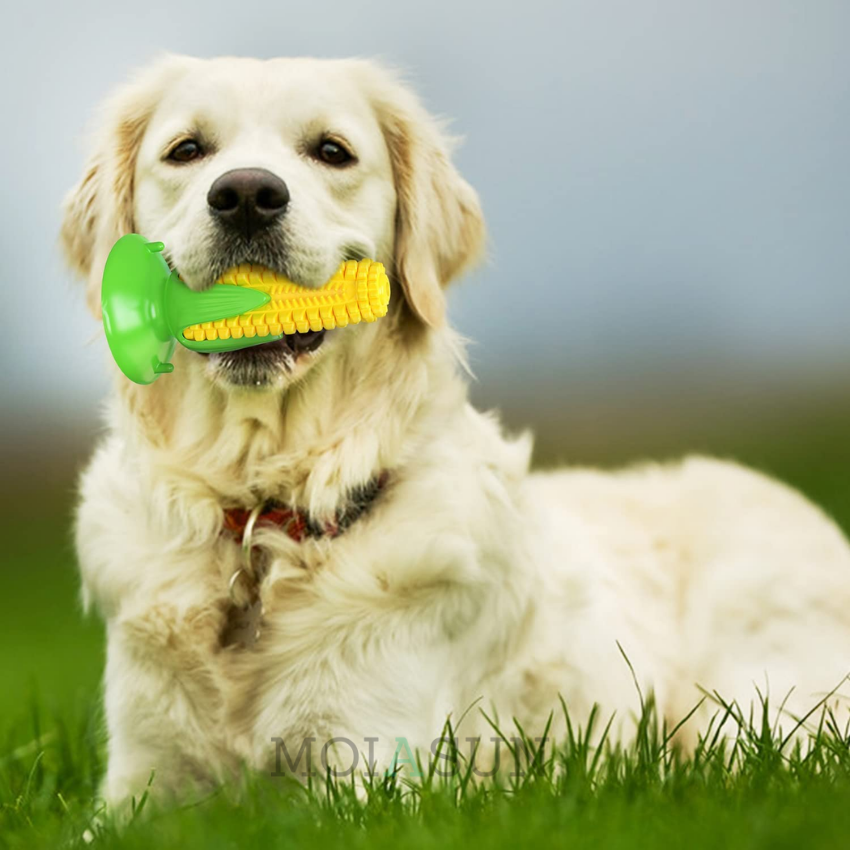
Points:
(294, 164)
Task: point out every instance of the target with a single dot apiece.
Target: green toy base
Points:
(146, 307)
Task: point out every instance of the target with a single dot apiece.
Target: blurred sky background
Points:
(667, 186)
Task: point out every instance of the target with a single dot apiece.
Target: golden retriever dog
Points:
(399, 564)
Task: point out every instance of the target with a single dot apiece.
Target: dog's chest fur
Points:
(378, 633)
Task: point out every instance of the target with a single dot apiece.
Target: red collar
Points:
(298, 524)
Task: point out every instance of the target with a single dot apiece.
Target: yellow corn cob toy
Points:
(359, 291)
(147, 308)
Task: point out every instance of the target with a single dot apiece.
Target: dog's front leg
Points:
(163, 704)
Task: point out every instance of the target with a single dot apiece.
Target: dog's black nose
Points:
(248, 199)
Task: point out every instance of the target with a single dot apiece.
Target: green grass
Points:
(754, 794)
(758, 790)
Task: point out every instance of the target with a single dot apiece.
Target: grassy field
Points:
(52, 745)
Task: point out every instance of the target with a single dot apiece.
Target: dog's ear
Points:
(99, 209)
(439, 225)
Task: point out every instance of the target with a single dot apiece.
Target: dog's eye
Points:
(186, 151)
(333, 153)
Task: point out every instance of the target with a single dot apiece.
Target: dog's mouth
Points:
(259, 364)
(267, 364)
(263, 365)
(291, 345)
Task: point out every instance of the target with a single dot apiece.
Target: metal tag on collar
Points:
(243, 626)
(244, 583)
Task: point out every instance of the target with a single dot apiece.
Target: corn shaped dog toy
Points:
(146, 307)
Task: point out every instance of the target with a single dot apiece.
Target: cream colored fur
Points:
(470, 580)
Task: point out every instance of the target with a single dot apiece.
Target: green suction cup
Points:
(146, 307)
